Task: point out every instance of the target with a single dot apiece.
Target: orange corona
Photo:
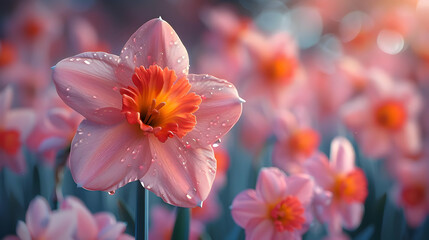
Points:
(288, 215)
(304, 141)
(9, 141)
(390, 115)
(160, 103)
(351, 187)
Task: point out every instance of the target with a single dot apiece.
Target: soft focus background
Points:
(358, 69)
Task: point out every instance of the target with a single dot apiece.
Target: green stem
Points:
(181, 226)
(142, 213)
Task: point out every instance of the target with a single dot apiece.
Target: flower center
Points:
(288, 215)
(413, 195)
(160, 103)
(391, 115)
(304, 141)
(32, 28)
(9, 141)
(351, 187)
(7, 53)
(279, 69)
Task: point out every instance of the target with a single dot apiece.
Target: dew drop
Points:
(141, 167)
(67, 89)
(71, 59)
(122, 160)
(94, 96)
(223, 124)
(87, 62)
(134, 39)
(111, 192)
(188, 196)
(148, 187)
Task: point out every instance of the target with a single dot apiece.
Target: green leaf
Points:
(181, 226)
(379, 213)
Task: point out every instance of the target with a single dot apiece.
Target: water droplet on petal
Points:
(67, 89)
(87, 62)
(111, 192)
(94, 96)
(188, 196)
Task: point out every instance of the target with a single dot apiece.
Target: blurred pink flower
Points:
(162, 117)
(162, 224)
(384, 117)
(41, 223)
(84, 36)
(55, 128)
(276, 72)
(277, 209)
(101, 225)
(297, 142)
(223, 45)
(15, 125)
(222, 166)
(411, 190)
(342, 187)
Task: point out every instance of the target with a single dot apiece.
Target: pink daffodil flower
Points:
(297, 142)
(277, 209)
(385, 116)
(41, 223)
(101, 225)
(147, 119)
(15, 125)
(411, 190)
(343, 183)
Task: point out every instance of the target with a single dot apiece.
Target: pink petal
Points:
(318, 167)
(409, 139)
(283, 159)
(104, 219)
(255, 118)
(106, 157)
(300, 186)
(295, 235)
(180, 175)
(53, 143)
(260, 229)
(219, 110)
(374, 142)
(22, 231)
(5, 102)
(351, 215)
(415, 215)
(155, 42)
(38, 216)
(355, 113)
(62, 225)
(87, 83)
(125, 237)
(22, 120)
(271, 185)
(112, 232)
(342, 155)
(86, 225)
(247, 206)
(61, 118)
